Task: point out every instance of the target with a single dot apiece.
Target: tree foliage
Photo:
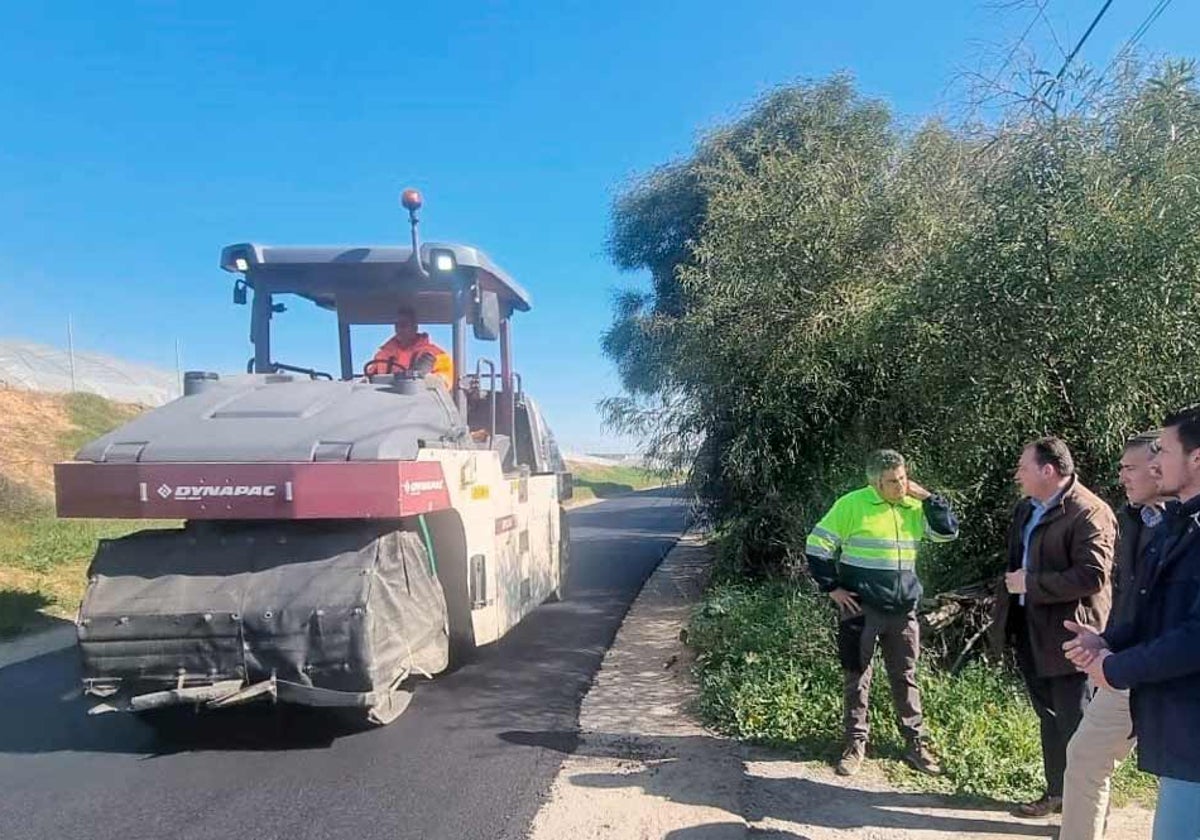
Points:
(824, 283)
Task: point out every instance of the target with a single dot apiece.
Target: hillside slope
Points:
(43, 561)
(38, 429)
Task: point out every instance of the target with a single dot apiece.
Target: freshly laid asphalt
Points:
(472, 757)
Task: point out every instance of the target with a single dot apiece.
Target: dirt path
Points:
(645, 769)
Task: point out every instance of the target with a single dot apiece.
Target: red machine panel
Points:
(342, 490)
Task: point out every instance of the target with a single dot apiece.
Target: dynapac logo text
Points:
(187, 493)
(414, 488)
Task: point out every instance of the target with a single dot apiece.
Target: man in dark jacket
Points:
(1157, 654)
(1060, 549)
(1104, 737)
(863, 554)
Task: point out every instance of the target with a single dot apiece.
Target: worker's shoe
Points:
(918, 757)
(1043, 807)
(852, 758)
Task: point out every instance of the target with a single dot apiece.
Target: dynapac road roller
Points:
(342, 534)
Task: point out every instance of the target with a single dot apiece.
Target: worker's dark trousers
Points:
(900, 638)
(1059, 703)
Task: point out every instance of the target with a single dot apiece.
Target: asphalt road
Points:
(472, 757)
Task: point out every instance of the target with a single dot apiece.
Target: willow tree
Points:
(823, 284)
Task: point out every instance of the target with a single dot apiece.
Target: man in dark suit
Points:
(1155, 653)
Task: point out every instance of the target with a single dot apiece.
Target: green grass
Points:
(594, 481)
(43, 544)
(768, 672)
(43, 559)
(43, 565)
(19, 502)
(91, 416)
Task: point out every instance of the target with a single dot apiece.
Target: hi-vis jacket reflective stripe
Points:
(869, 546)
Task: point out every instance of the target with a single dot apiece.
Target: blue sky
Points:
(138, 138)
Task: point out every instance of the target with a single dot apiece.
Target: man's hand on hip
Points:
(1015, 582)
(846, 600)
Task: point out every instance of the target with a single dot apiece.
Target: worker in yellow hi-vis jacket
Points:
(863, 554)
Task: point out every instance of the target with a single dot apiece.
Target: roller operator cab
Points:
(341, 534)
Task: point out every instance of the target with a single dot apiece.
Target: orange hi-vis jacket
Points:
(404, 357)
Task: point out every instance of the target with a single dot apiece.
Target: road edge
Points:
(645, 766)
(38, 643)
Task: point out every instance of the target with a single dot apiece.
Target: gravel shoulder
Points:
(646, 768)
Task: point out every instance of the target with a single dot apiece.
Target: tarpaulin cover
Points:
(341, 606)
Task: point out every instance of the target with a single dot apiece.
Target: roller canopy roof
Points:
(367, 284)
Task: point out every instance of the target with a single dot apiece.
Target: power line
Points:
(1150, 19)
(1067, 63)
(1138, 34)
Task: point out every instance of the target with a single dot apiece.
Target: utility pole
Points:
(71, 351)
(178, 368)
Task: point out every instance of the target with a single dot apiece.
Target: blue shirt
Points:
(1039, 510)
(1151, 515)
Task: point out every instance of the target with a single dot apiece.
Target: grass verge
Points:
(43, 560)
(43, 566)
(768, 673)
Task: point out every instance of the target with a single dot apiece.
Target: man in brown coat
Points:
(1060, 550)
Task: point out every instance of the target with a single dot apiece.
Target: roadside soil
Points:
(31, 432)
(646, 768)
